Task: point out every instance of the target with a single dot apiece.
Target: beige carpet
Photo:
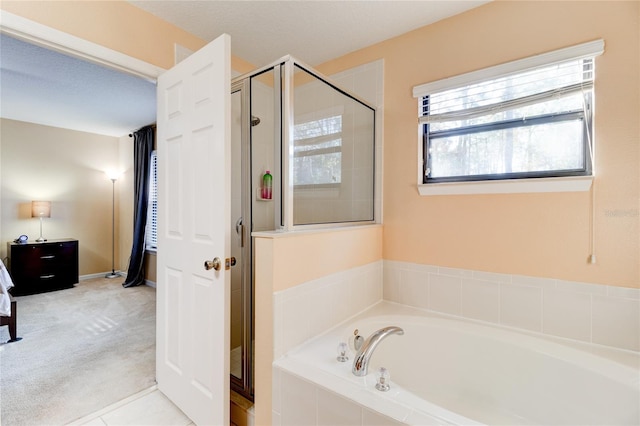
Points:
(82, 349)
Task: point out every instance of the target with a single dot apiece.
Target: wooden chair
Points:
(11, 321)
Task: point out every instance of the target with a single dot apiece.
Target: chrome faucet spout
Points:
(361, 361)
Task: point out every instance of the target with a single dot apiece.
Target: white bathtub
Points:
(450, 371)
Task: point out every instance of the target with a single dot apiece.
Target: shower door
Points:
(241, 248)
(256, 148)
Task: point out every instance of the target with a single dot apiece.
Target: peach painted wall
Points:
(306, 255)
(544, 235)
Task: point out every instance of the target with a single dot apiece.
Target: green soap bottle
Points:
(267, 183)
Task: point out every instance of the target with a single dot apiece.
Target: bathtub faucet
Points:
(361, 362)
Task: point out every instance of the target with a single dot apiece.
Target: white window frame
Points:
(523, 185)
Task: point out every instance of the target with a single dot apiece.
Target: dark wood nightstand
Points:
(39, 267)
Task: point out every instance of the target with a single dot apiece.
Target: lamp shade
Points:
(41, 209)
(112, 174)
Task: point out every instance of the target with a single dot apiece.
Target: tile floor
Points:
(149, 407)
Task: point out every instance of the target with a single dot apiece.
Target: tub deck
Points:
(447, 370)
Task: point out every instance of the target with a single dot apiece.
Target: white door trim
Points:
(50, 38)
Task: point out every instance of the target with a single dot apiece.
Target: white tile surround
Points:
(305, 311)
(598, 314)
(593, 313)
(304, 403)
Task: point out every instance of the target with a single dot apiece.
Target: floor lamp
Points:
(113, 273)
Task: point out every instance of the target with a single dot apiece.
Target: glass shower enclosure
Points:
(317, 142)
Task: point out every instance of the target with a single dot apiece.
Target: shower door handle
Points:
(240, 230)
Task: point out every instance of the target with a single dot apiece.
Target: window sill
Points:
(509, 186)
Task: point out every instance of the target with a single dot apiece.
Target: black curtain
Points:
(143, 141)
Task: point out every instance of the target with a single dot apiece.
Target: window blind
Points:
(580, 51)
(151, 238)
(510, 92)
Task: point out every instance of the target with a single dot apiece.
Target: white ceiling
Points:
(312, 31)
(44, 87)
(41, 86)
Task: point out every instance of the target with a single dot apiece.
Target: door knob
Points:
(213, 264)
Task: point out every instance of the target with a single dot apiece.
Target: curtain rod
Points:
(153, 126)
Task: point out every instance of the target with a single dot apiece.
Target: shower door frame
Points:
(244, 385)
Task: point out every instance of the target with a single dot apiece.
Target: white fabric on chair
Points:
(5, 285)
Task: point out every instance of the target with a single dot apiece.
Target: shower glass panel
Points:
(237, 294)
(333, 154)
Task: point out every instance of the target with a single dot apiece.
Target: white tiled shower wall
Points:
(367, 82)
(593, 313)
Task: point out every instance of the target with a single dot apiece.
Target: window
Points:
(317, 152)
(151, 233)
(512, 121)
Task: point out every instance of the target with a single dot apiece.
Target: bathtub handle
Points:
(358, 341)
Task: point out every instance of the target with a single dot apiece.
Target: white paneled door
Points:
(192, 355)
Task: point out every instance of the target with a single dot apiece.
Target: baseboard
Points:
(100, 275)
(123, 274)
